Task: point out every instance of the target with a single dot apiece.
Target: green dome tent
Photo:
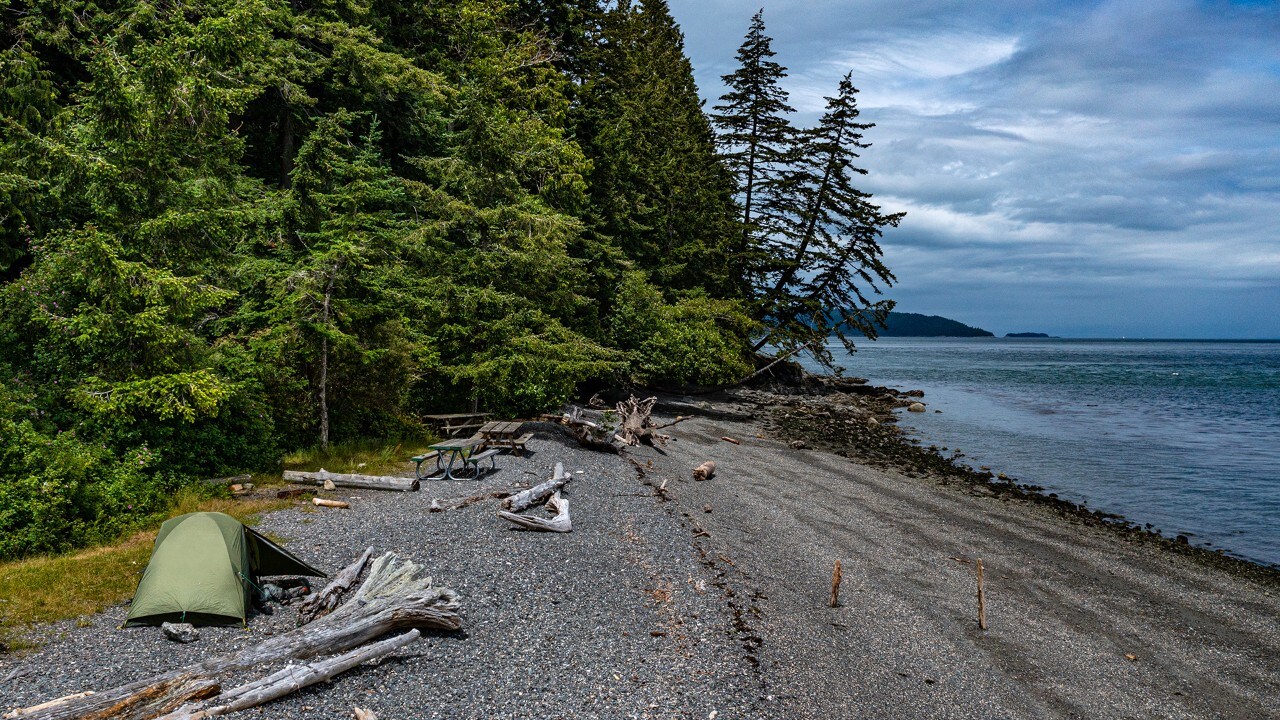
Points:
(202, 570)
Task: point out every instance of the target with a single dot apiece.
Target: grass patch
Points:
(51, 588)
(366, 457)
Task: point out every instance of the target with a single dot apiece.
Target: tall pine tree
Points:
(757, 140)
(827, 251)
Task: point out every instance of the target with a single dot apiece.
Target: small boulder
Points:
(180, 632)
(328, 485)
(916, 407)
(798, 444)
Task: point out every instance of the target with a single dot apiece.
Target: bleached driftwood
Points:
(561, 523)
(323, 602)
(538, 494)
(395, 596)
(637, 426)
(589, 434)
(705, 470)
(364, 482)
(289, 679)
(324, 502)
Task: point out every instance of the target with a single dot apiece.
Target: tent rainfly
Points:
(202, 570)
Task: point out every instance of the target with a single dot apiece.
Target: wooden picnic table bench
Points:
(468, 453)
(503, 434)
(453, 423)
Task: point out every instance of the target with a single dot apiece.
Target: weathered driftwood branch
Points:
(835, 585)
(323, 602)
(538, 494)
(395, 596)
(289, 679)
(364, 482)
(705, 470)
(324, 502)
(561, 523)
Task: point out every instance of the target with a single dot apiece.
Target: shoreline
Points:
(678, 598)
(886, 446)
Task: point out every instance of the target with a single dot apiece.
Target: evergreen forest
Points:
(230, 228)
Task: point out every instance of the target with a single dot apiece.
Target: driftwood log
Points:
(561, 523)
(324, 502)
(396, 596)
(538, 494)
(322, 603)
(289, 679)
(705, 470)
(364, 482)
(591, 434)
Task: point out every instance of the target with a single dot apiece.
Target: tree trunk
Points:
(364, 482)
(324, 361)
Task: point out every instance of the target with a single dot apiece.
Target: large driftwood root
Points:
(396, 596)
(637, 426)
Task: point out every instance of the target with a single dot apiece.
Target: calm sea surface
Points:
(1184, 435)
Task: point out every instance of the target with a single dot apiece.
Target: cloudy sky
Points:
(1086, 169)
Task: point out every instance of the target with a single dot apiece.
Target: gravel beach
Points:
(710, 599)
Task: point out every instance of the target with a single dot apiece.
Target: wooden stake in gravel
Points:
(982, 600)
(835, 585)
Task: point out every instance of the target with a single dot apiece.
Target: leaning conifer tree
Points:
(829, 260)
(756, 141)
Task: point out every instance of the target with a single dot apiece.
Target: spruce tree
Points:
(658, 190)
(757, 138)
(828, 255)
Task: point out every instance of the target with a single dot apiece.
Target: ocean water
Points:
(1184, 435)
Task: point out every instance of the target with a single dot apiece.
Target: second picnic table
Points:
(451, 423)
(503, 434)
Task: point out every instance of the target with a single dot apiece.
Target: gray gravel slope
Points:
(617, 619)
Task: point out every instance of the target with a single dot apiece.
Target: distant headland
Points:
(1028, 335)
(900, 324)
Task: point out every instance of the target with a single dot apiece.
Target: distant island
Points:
(901, 324)
(1028, 335)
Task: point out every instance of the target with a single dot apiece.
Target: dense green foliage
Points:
(234, 227)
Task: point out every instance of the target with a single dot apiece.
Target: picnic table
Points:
(461, 452)
(452, 423)
(504, 434)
